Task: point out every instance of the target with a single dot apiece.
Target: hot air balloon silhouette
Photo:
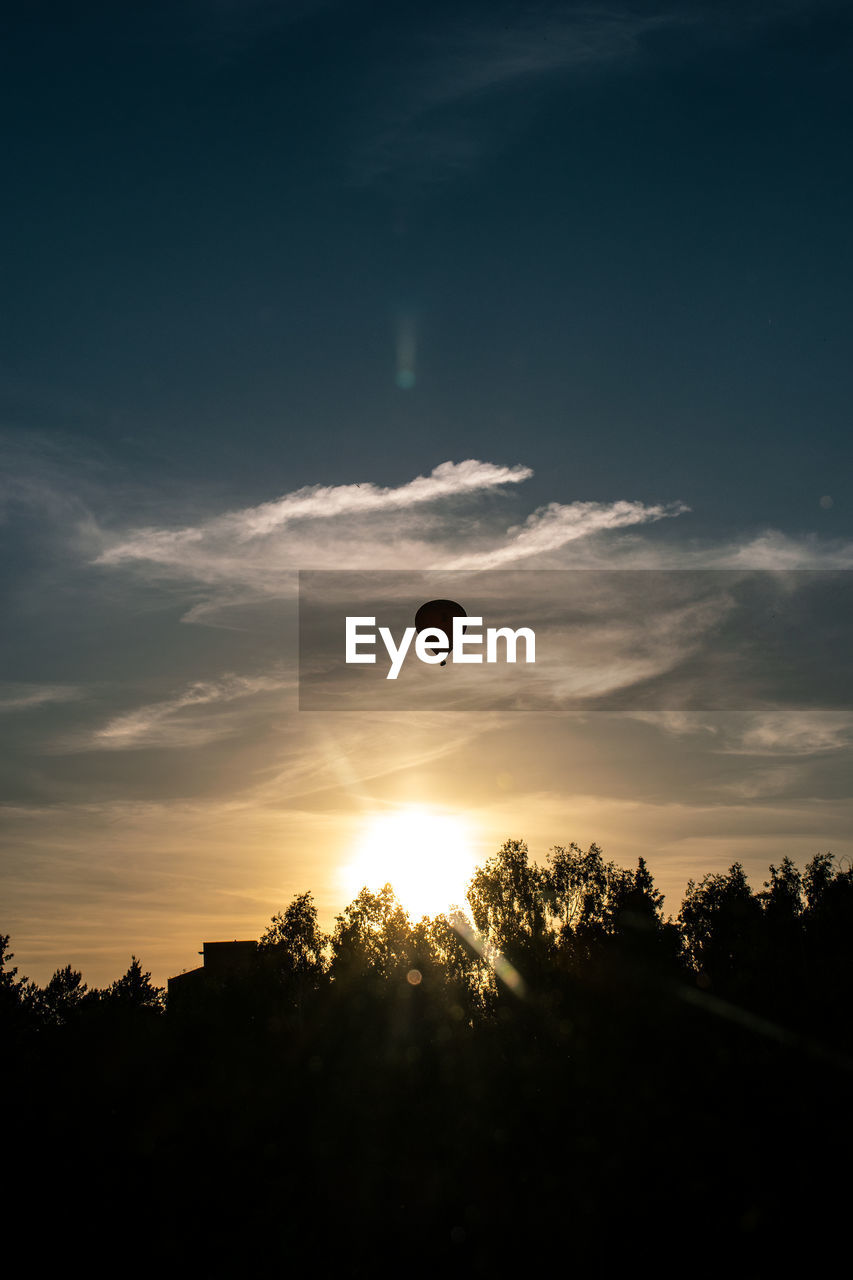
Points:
(439, 615)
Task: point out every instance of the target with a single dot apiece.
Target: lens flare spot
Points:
(406, 344)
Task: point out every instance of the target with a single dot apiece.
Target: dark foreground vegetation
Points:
(564, 1076)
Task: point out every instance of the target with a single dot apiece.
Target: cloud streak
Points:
(790, 731)
(427, 125)
(29, 697)
(557, 525)
(254, 551)
(427, 122)
(181, 721)
(195, 547)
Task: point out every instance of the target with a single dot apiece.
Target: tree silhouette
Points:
(598, 908)
(577, 888)
(294, 941)
(783, 892)
(508, 900)
(828, 940)
(292, 954)
(372, 936)
(8, 974)
(720, 920)
(444, 953)
(134, 991)
(62, 998)
(427, 1101)
(818, 876)
(14, 995)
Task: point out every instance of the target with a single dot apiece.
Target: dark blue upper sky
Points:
(618, 239)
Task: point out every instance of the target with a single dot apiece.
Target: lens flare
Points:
(406, 349)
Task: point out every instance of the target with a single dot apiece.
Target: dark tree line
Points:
(561, 1062)
(784, 948)
(66, 997)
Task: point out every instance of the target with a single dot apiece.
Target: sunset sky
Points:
(352, 286)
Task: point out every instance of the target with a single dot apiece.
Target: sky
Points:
(358, 287)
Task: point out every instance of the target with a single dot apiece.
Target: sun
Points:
(427, 857)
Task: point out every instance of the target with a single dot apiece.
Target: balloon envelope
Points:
(439, 614)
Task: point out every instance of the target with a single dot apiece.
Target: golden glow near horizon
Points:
(427, 856)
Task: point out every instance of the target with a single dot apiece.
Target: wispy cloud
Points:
(796, 732)
(445, 90)
(762, 784)
(654, 641)
(771, 549)
(364, 526)
(767, 549)
(237, 568)
(427, 123)
(312, 503)
(180, 721)
(789, 731)
(28, 697)
(558, 524)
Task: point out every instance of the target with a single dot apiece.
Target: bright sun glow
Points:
(426, 856)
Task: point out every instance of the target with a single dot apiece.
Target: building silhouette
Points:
(222, 962)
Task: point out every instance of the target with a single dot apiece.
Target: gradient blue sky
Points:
(251, 248)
